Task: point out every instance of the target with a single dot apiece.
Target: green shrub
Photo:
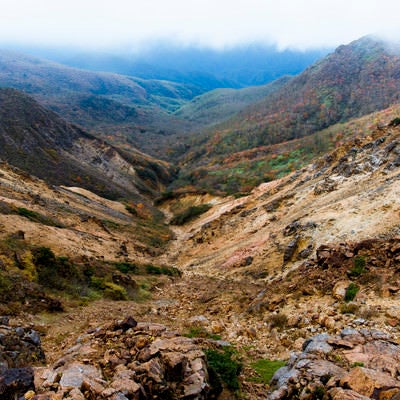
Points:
(125, 267)
(357, 364)
(199, 331)
(114, 291)
(394, 122)
(164, 196)
(5, 284)
(267, 368)
(319, 393)
(109, 289)
(57, 272)
(224, 366)
(358, 268)
(163, 270)
(351, 292)
(189, 214)
(98, 283)
(37, 217)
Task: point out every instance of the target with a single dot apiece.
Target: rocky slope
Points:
(313, 253)
(267, 270)
(43, 144)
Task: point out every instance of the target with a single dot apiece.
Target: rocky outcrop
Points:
(356, 364)
(127, 360)
(20, 347)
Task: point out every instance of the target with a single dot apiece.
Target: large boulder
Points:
(354, 365)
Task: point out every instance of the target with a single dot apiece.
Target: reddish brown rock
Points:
(366, 381)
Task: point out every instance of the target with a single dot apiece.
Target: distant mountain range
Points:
(138, 112)
(225, 139)
(355, 80)
(201, 68)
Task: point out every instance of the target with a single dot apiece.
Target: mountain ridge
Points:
(355, 80)
(43, 144)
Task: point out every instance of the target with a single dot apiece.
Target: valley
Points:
(266, 236)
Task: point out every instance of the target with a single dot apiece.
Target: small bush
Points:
(319, 393)
(350, 308)
(109, 289)
(163, 270)
(278, 320)
(357, 364)
(394, 122)
(98, 283)
(54, 272)
(351, 292)
(169, 195)
(358, 268)
(369, 312)
(189, 214)
(131, 210)
(266, 369)
(5, 283)
(36, 217)
(125, 267)
(114, 291)
(224, 366)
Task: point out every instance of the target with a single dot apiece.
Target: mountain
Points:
(41, 143)
(312, 253)
(127, 111)
(203, 68)
(242, 282)
(355, 80)
(95, 99)
(220, 104)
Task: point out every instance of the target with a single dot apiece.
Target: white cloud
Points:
(106, 23)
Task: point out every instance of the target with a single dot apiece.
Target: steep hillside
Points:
(315, 252)
(267, 270)
(355, 80)
(71, 244)
(94, 98)
(42, 144)
(239, 172)
(220, 104)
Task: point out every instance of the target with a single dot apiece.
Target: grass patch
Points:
(126, 267)
(37, 217)
(358, 268)
(162, 270)
(224, 367)
(199, 331)
(350, 308)
(357, 364)
(351, 292)
(189, 214)
(266, 369)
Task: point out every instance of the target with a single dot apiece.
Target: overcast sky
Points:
(117, 23)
